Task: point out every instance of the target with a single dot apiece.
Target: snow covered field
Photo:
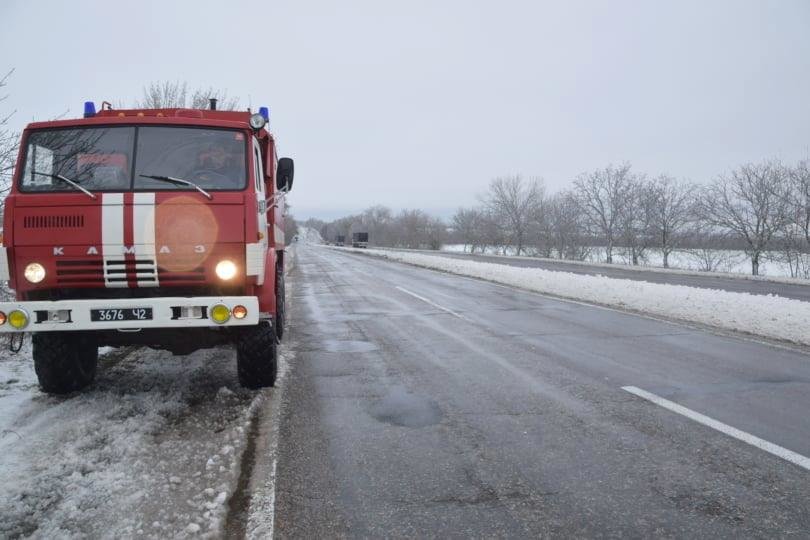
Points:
(152, 449)
(726, 261)
(768, 316)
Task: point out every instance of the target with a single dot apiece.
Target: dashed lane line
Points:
(776, 450)
(434, 304)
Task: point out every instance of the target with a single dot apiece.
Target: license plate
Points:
(124, 314)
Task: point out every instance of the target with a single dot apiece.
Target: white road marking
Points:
(271, 502)
(771, 448)
(434, 304)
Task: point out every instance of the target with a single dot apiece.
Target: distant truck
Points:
(340, 240)
(360, 240)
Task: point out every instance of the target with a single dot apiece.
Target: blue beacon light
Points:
(89, 109)
(265, 112)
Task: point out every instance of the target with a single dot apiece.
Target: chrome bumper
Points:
(167, 312)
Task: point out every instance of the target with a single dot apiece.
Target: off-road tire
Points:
(257, 356)
(280, 304)
(64, 361)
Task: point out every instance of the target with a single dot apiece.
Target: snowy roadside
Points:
(151, 449)
(622, 266)
(772, 317)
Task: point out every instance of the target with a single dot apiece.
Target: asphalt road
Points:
(425, 404)
(752, 286)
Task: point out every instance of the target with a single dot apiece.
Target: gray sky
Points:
(421, 103)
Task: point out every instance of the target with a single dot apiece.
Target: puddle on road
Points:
(347, 346)
(402, 408)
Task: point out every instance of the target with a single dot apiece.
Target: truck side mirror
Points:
(284, 174)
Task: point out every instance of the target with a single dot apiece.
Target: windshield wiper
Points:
(174, 180)
(69, 182)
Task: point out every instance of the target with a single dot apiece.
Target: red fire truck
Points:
(157, 227)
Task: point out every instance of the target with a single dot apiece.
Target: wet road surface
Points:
(426, 404)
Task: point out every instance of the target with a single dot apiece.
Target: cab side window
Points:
(257, 167)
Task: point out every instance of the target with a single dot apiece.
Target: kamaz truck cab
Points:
(158, 227)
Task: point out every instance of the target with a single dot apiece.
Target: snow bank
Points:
(732, 272)
(730, 262)
(152, 449)
(768, 316)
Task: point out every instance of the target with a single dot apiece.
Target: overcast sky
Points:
(421, 103)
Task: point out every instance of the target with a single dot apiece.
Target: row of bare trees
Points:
(176, 94)
(412, 229)
(762, 209)
(9, 139)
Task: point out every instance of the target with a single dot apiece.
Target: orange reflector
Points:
(261, 235)
(140, 114)
(239, 312)
(2, 318)
(120, 114)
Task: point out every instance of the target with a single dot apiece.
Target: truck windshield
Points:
(121, 158)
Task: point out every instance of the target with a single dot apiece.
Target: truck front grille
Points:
(144, 271)
(117, 273)
(85, 272)
(53, 222)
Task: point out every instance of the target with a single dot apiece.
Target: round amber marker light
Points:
(220, 313)
(239, 312)
(2, 318)
(18, 319)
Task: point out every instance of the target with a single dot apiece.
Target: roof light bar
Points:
(89, 109)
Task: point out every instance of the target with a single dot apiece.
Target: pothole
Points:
(402, 408)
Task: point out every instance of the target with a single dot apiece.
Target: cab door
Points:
(261, 202)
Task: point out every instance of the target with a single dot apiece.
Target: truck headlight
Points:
(226, 270)
(34, 272)
(257, 121)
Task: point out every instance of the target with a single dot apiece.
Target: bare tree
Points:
(672, 209)
(603, 195)
(468, 224)
(9, 142)
(435, 233)
(799, 197)
(514, 201)
(706, 247)
(290, 224)
(752, 203)
(635, 220)
(377, 221)
(415, 229)
(565, 225)
(175, 94)
(540, 233)
(789, 248)
(793, 241)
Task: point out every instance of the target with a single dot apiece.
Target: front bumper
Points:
(167, 312)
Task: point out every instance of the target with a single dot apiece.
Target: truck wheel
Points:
(257, 357)
(64, 361)
(280, 304)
